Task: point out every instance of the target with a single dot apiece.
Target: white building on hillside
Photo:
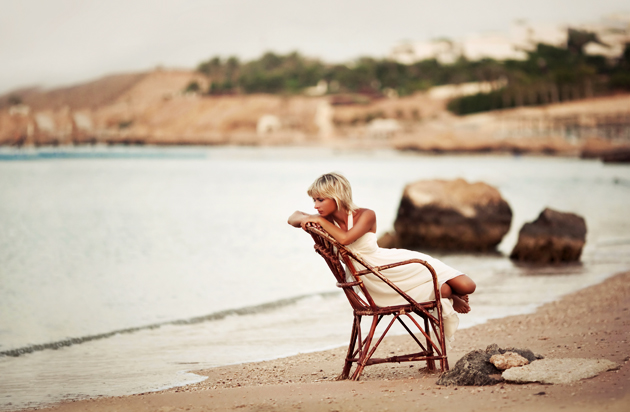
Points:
(525, 36)
(613, 30)
(444, 51)
(491, 45)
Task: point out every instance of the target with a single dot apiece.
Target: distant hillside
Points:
(150, 108)
(87, 95)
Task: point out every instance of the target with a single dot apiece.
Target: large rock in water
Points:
(451, 215)
(554, 237)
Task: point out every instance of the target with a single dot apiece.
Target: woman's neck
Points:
(341, 217)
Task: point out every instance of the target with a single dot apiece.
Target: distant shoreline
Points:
(105, 151)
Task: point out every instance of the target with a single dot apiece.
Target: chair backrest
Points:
(334, 253)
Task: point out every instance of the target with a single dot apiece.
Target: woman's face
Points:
(324, 206)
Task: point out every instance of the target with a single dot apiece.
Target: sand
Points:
(591, 323)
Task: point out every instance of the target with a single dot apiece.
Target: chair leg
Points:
(444, 362)
(443, 344)
(365, 350)
(430, 362)
(356, 324)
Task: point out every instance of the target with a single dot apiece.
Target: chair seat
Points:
(388, 310)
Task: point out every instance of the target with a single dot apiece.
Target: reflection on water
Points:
(106, 243)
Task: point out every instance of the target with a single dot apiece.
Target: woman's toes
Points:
(460, 305)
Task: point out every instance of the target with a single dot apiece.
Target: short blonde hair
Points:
(334, 186)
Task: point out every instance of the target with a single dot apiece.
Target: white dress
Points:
(414, 279)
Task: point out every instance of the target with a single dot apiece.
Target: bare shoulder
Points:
(365, 215)
(363, 210)
(366, 219)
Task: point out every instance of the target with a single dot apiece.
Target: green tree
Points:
(192, 87)
(14, 100)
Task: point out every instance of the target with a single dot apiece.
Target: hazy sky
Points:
(54, 42)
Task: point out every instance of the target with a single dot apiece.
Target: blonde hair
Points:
(334, 186)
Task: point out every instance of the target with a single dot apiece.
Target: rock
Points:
(475, 369)
(451, 215)
(621, 155)
(558, 370)
(554, 237)
(607, 151)
(388, 240)
(508, 360)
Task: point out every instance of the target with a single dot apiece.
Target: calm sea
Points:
(122, 269)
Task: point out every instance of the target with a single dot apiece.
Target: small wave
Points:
(244, 311)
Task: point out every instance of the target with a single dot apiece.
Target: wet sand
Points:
(591, 323)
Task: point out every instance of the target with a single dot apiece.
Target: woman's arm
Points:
(365, 221)
(297, 218)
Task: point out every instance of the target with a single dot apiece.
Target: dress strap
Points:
(350, 222)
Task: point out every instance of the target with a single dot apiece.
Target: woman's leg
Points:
(462, 285)
(458, 289)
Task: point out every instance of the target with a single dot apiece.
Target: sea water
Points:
(123, 269)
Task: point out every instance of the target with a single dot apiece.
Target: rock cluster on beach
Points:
(494, 365)
(452, 215)
(475, 368)
(554, 237)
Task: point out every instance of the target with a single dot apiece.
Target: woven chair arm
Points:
(374, 269)
(348, 284)
(393, 265)
(377, 272)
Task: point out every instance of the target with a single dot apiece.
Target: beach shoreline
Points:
(591, 323)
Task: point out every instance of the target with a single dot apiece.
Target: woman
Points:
(355, 227)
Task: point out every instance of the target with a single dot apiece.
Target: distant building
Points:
(450, 91)
(491, 45)
(319, 90)
(612, 30)
(444, 51)
(19, 110)
(268, 123)
(525, 36)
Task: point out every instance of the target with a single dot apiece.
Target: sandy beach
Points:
(591, 323)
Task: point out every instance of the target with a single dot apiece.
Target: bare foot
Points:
(460, 305)
(464, 298)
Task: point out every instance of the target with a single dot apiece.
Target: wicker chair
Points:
(360, 350)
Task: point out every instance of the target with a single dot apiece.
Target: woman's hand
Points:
(312, 220)
(303, 220)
